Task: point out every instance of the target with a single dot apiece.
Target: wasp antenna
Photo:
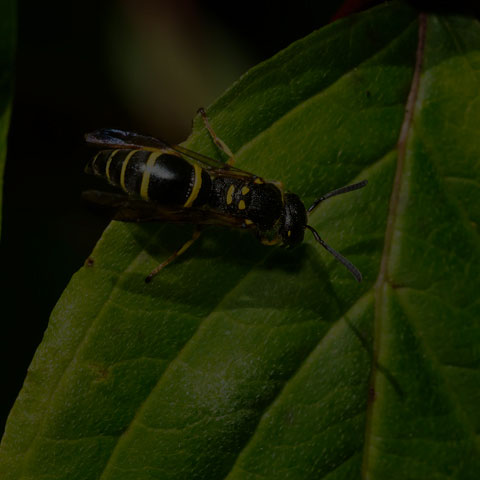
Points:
(351, 267)
(338, 191)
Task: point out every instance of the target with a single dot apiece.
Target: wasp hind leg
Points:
(174, 255)
(218, 141)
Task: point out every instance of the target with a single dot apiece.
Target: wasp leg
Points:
(171, 258)
(218, 141)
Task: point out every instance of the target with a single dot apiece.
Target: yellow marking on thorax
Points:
(109, 161)
(248, 221)
(146, 174)
(197, 185)
(258, 181)
(230, 191)
(245, 190)
(289, 233)
(266, 241)
(124, 168)
(241, 205)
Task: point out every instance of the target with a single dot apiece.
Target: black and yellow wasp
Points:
(170, 183)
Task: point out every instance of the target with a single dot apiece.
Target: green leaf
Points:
(242, 361)
(7, 46)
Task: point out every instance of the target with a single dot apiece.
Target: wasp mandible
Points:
(171, 183)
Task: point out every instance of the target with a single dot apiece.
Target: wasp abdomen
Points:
(157, 176)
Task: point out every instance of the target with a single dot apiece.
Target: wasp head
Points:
(295, 221)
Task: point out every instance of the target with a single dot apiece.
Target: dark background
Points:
(142, 65)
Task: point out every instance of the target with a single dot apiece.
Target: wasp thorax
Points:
(295, 221)
(265, 205)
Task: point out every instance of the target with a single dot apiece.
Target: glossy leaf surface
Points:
(242, 361)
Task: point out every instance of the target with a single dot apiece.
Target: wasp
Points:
(171, 183)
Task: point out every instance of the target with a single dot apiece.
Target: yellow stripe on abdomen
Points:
(124, 168)
(92, 165)
(146, 174)
(197, 185)
(107, 166)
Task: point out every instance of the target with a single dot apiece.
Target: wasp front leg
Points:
(171, 258)
(218, 141)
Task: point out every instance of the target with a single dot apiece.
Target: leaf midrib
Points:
(411, 108)
(382, 279)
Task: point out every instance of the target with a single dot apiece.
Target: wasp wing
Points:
(127, 209)
(113, 204)
(115, 138)
(212, 165)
